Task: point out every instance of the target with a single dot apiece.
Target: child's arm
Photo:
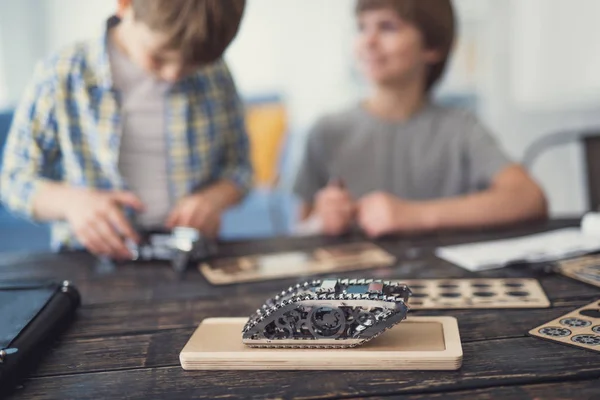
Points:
(500, 193)
(31, 147)
(322, 198)
(202, 210)
(31, 151)
(335, 209)
(513, 197)
(235, 177)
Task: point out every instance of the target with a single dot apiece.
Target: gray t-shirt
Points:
(143, 148)
(440, 152)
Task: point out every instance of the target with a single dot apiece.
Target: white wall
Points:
(69, 20)
(21, 29)
(561, 171)
(556, 61)
(300, 50)
(4, 95)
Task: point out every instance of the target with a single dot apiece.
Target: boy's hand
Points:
(98, 222)
(381, 214)
(336, 209)
(199, 211)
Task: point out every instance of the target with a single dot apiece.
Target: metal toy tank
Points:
(333, 313)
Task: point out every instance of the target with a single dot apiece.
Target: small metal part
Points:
(327, 286)
(575, 322)
(356, 289)
(183, 238)
(555, 332)
(375, 287)
(133, 249)
(590, 340)
(181, 246)
(4, 353)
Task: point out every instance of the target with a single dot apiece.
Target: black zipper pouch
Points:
(32, 315)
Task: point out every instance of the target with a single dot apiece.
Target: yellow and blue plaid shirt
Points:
(68, 128)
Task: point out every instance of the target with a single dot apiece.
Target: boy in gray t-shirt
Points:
(407, 164)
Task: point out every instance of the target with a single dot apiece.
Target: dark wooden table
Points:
(134, 322)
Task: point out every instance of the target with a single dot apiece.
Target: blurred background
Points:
(528, 68)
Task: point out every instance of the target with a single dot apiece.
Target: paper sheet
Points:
(548, 246)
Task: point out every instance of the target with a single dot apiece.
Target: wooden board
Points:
(322, 260)
(584, 269)
(442, 294)
(418, 343)
(579, 328)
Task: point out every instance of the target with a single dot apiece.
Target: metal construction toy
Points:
(181, 246)
(333, 313)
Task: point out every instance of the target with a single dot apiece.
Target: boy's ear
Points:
(433, 56)
(122, 7)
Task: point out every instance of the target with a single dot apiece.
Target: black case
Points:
(32, 315)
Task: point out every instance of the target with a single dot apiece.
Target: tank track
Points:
(330, 314)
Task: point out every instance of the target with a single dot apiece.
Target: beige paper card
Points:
(331, 259)
(579, 328)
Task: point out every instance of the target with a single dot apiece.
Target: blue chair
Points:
(5, 122)
(17, 234)
(267, 211)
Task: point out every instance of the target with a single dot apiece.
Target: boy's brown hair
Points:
(434, 18)
(200, 30)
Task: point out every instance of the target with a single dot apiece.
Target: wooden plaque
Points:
(417, 343)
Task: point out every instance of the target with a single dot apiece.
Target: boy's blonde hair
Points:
(200, 30)
(434, 18)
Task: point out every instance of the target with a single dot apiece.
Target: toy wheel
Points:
(555, 332)
(575, 322)
(326, 322)
(590, 340)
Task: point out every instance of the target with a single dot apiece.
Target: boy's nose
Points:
(370, 38)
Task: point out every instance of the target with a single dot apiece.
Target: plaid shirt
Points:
(68, 126)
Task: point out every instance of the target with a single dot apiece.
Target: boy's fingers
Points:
(363, 221)
(173, 219)
(337, 183)
(119, 221)
(338, 209)
(185, 216)
(335, 203)
(94, 243)
(211, 228)
(336, 193)
(200, 221)
(112, 239)
(128, 199)
(335, 226)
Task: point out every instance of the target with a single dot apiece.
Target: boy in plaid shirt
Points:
(142, 123)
